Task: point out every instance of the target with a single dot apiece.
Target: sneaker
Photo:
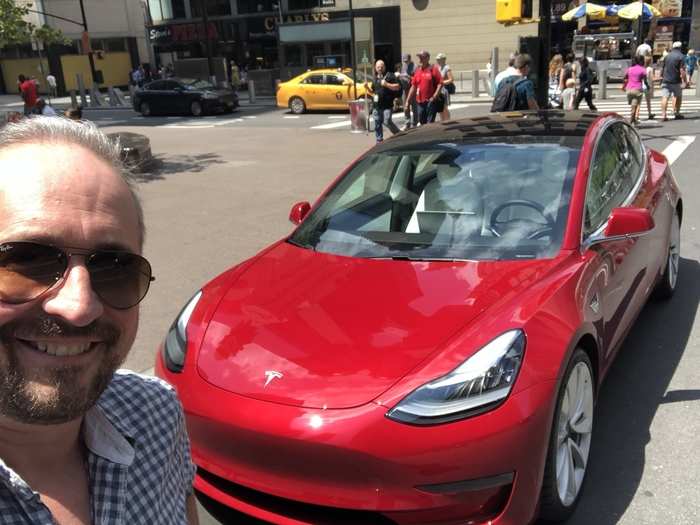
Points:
(664, 119)
(405, 127)
(651, 117)
(678, 116)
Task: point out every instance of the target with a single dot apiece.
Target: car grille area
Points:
(304, 512)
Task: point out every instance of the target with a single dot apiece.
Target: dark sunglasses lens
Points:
(27, 270)
(121, 279)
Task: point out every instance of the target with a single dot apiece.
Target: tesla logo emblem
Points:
(270, 375)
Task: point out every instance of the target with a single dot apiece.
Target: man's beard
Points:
(58, 394)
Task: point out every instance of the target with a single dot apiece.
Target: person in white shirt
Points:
(51, 83)
(507, 72)
(644, 49)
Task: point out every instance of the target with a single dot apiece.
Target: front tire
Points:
(667, 285)
(569, 442)
(145, 109)
(297, 106)
(196, 108)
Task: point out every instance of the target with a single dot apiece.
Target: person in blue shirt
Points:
(525, 91)
(691, 62)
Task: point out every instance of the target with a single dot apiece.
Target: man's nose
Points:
(73, 298)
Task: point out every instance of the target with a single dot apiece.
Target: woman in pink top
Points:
(635, 78)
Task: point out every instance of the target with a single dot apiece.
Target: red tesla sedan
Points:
(427, 345)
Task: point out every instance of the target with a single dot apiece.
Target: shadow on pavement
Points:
(633, 390)
(173, 164)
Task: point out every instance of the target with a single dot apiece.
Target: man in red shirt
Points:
(27, 89)
(425, 86)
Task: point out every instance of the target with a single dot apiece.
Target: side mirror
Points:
(299, 212)
(627, 222)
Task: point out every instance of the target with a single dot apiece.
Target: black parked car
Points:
(183, 95)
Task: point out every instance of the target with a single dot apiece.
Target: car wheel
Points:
(569, 442)
(145, 109)
(297, 105)
(196, 108)
(667, 285)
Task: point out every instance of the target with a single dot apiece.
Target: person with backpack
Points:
(516, 92)
(585, 86)
(384, 89)
(425, 87)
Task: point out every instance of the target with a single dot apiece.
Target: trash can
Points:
(359, 116)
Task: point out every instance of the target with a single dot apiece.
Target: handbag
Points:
(451, 89)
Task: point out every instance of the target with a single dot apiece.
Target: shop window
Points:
(293, 55)
(312, 51)
(96, 44)
(214, 8)
(254, 6)
(114, 44)
(179, 8)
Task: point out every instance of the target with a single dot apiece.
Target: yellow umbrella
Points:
(636, 9)
(587, 9)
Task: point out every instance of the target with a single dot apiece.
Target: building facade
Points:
(117, 38)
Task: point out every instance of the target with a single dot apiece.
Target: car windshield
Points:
(501, 198)
(194, 84)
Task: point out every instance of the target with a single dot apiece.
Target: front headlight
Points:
(479, 384)
(210, 95)
(175, 346)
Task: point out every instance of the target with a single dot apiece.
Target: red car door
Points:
(616, 180)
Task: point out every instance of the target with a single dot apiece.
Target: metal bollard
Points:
(73, 98)
(81, 90)
(475, 83)
(251, 91)
(461, 80)
(602, 84)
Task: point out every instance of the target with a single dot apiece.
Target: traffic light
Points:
(512, 11)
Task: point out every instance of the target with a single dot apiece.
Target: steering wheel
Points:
(499, 228)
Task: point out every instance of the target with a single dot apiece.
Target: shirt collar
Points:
(104, 438)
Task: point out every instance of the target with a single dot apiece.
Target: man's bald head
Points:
(58, 131)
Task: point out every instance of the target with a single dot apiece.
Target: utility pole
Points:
(640, 21)
(544, 35)
(90, 57)
(210, 60)
(353, 58)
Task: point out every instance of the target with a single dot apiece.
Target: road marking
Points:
(185, 126)
(251, 116)
(291, 116)
(337, 116)
(677, 147)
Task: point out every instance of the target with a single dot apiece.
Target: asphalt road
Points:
(223, 190)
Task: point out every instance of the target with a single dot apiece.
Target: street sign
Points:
(365, 59)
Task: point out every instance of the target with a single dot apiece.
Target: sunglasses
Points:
(29, 269)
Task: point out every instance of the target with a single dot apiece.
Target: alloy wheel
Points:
(574, 429)
(196, 108)
(297, 106)
(145, 109)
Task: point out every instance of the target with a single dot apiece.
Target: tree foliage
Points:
(14, 29)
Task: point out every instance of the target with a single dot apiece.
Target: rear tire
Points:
(297, 105)
(669, 280)
(569, 442)
(196, 108)
(145, 109)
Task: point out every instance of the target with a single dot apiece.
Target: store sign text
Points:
(271, 21)
(184, 32)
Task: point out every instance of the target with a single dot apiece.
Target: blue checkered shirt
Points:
(138, 459)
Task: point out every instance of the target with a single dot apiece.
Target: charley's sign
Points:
(271, 21)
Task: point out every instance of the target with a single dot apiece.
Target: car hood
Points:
(316, 330)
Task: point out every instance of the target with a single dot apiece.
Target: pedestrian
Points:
(384, 89)
(644, 49)
(425, 87)
(691, 62)
(80, 442)
(51, 83)
(648, 87)
(672, 80)
(42, 108)
(556, 66)
(568, 71)
(405, 77)
(525, 90)
(235, 76)
(633, 82)
(27, 89)
(585, 85)
(509, 71)
(448, 85)
(568, 95)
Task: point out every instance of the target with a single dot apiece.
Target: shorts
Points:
(634, 97)
(668, 90)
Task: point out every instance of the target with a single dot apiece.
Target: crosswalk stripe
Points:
(397, 117)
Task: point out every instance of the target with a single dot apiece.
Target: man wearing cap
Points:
(672, 80)
(405, 77)
(425, 87)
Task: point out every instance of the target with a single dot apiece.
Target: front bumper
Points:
(291, 465)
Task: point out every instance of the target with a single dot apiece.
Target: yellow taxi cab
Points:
(319, 89)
